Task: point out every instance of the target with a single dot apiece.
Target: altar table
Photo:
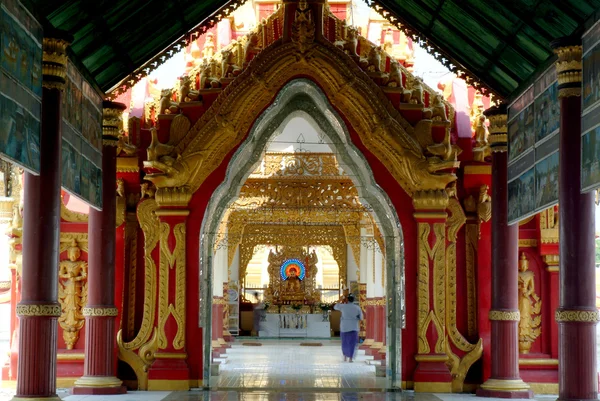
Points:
(294, 325)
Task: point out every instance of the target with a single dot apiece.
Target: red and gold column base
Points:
(99, 362)
(432, 374)
(499, 388)
(98, 385)
(577, 367)
(505, 381)
(37, 351)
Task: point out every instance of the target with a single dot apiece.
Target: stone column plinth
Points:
(505, 381)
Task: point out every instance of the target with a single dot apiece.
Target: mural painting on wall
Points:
(82, 139)
(20, 85)
(590, 120)
(533, 125)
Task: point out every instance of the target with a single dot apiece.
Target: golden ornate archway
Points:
(295, 236)
(198, 150)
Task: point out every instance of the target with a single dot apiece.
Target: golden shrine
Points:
(292, 273)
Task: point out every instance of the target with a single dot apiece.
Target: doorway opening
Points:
(298, 224)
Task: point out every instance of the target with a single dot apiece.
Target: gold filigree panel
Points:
(316, 192)
(459, 366)
(139, 352)
(294, 236)
(298, 165)
(169, 260)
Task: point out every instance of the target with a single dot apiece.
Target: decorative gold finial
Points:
(568, 66)
(54, 59)
(112, 122)
(498, 137)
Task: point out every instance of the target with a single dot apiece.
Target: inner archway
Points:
(301, 97)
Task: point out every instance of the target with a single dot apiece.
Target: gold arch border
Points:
(380, 127)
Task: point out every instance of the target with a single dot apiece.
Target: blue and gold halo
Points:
(292, 264)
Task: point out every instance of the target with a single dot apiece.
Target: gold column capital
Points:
(54, 59)
(553, 262)
(112, 122)
(434, 200)
(173, 196)
(498, 138)
(568, 66)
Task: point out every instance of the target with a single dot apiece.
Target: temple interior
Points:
(299, 200)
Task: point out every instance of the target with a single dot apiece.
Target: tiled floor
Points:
(284, 364)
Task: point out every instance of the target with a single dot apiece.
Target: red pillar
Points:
(39, 309)
(100, 311)
(577, 314)
(505, 381)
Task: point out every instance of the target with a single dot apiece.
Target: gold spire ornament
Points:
(530, 306)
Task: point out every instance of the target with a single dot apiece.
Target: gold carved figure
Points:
(209, 46)
(186, 92)
(167, 105)
(292, 290)
(394, 79)
(72, 294)
(303, 28)
(530, 306)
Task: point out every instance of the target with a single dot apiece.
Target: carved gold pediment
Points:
(379, 125)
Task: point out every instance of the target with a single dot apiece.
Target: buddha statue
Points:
(293, 284)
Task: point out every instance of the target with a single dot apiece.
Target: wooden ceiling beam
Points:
(528, 20)
(508, 40)
(91, 8)
(488, 82)
(467, 40)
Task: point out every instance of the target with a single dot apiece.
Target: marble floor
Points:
(289, 396)
(285, 364)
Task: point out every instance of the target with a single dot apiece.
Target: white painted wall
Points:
(352, 265)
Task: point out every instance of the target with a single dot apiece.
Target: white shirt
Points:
(351, 315)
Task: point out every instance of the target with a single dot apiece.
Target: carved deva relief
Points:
(72, 294)
(530, 306)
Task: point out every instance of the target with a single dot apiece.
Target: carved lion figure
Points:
(251, 47)
(351, 43)
(228, 67)
(186, 93)
(167, 105)
(374, 59)
(438, 108)
(415, 94)
(395, 76)
(207, 80)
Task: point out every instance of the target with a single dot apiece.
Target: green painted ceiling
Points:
(501, 42)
